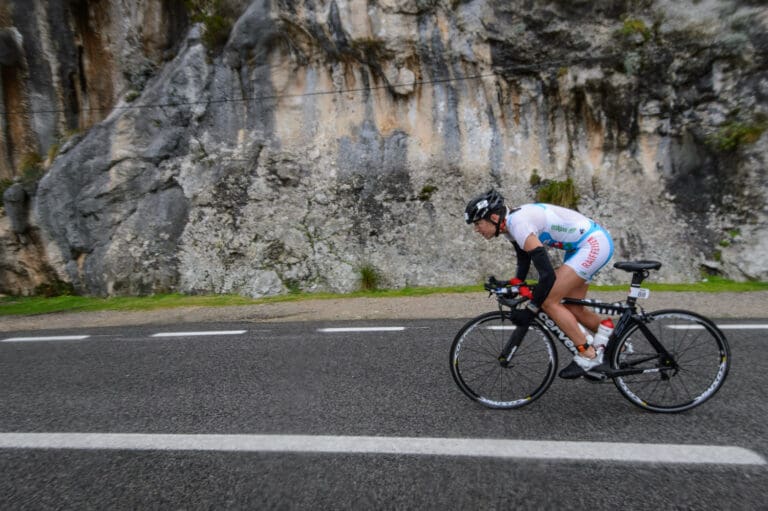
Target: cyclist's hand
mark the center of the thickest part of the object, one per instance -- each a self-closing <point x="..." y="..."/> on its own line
<point x="521" y="287"/>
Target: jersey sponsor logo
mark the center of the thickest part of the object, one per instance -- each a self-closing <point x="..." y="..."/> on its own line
<point x="594" y="251"/>
<point x="562" y="228"/>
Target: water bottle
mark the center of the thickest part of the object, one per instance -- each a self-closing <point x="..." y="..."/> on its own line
<point x="602" y="334"/>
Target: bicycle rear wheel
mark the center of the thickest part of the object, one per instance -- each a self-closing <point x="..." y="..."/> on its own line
<point x="479" y="374"/>
<point x="700" y="359"/>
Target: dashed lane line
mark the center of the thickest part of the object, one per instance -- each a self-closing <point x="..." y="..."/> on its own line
<point x="472" y="447"/>
<point x="744" y="326"/>
<point x="747" y="326"/>
<point x="47" y="338"/>
<point x="362" y="329"/>
<point x="199" y="334"/>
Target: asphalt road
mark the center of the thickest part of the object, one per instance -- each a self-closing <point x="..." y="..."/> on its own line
<point x="278" y="379"/>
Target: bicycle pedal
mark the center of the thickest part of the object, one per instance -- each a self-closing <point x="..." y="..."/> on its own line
<point x="595" y="377"/>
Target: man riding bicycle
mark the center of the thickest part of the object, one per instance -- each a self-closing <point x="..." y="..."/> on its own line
<point x="588" y="247"/>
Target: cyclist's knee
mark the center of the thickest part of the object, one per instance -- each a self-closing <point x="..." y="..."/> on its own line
<point x="552" y="303"/>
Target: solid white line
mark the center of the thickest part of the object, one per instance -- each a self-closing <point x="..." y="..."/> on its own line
<point x="475" y="447"/>
<point x="47" y="338"/>
<point x="747" y="326"/>
<point x="500" y="327"/>
<point x="363" y="329"/>
<point x="191" y="334"/>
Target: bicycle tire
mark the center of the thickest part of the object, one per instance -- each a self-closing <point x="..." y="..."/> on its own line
<point x="476" y="369"/>
<point x="700" y="351"/>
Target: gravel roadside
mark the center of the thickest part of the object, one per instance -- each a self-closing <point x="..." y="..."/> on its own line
<point x="463" y="305"/>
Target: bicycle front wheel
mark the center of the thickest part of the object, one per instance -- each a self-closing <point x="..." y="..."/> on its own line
<point x="479" y="374"/>
<point x="696" y="369"/>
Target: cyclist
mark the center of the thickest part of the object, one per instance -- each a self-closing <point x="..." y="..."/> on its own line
<point x="530" y="228"/>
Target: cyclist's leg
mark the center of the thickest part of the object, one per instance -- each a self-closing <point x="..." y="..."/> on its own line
<point x="567" y="283"/>
<point x="573" y="281"/>
<point x="583" y="315"/>
<point x="593" y="253"/>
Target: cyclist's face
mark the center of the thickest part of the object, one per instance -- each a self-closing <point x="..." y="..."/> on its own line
<point x="486" y="229"/>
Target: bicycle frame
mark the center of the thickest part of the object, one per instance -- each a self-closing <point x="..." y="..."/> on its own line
<point x="508" y="358"/>
<point x="629" y="316"/>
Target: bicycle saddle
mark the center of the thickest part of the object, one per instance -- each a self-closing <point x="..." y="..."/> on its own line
<point x="637" y="265"/>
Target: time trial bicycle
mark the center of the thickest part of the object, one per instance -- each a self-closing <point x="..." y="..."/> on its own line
<point x="663" y="361"/>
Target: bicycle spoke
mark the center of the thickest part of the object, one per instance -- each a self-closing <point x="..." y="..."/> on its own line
<point x="482" y="377"/>
<point x="697" y="356"/>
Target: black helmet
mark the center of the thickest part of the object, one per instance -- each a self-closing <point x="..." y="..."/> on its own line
<point x="483" y="205"/>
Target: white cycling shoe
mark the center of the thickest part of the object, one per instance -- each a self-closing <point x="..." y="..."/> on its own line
<point x="588" y="363"/>
<point x="580" y="366"/>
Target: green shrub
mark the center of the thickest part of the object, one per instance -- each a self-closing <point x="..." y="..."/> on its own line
<point x="634" y="26"/>
<point x="31" y="168"/>
<point x="132" y="95"/>
<point x="293" y="285"/>
<point x="370" y="278"/>
<point x="733" y="135"/>
<point x="217" y="20"/>
<point x="535" y="179"/>
<point x="561" y="193"/>
<point x="217" y="30"/>
<point x="426" y="192"/>
<point x="54" y="288"/>
<point x="4" y="184"/>
<point x="53" y="151"/>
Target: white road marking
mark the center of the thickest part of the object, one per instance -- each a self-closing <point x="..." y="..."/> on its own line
<point x="47" y="338"/>
<point x="747" y="326"/>
<point x="363" y="329"/>
<point x="475" y="447"/>
<point x="197" y="334"/>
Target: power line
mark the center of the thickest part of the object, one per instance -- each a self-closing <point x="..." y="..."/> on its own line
<point x="273" y="97"/>
<point x="258" y="98"/>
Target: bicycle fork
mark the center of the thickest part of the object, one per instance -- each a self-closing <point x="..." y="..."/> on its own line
<point x="508" y="352"/>
<point x="509" y="349"/>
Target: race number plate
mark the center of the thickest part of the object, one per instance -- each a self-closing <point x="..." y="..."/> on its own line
<point x="639" y="292"/>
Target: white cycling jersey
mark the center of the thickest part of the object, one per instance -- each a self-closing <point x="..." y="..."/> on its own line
<point x="588" y="246"/>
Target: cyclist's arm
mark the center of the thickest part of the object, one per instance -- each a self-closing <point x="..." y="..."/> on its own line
<point x="523" y="262"/>
<point x="538" y="255"/>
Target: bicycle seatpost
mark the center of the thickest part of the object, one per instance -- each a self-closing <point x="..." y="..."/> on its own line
<point x="634" y="292"/>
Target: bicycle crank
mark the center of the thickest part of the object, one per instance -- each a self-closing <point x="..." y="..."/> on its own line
<point x="595" y="377"/>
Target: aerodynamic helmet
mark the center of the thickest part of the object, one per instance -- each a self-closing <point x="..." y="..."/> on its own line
<point x="483" y="205"/>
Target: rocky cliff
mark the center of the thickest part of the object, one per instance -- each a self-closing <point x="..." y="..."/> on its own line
<point x="269" y="146"/>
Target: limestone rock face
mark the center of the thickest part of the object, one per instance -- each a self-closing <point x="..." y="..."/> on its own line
<point x="327" y="139"/>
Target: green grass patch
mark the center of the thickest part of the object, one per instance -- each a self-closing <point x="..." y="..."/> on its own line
<point x="711" y="285"/>
<point x="25" y="306"/>
<point x="40" y="305"/>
